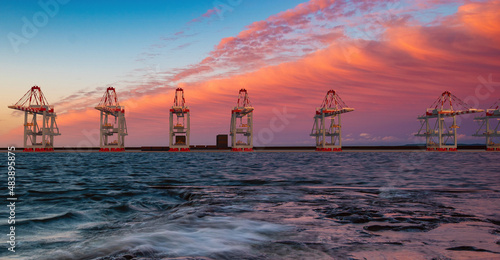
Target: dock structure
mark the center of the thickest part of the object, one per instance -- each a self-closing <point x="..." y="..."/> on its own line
<point x="490" y="127"/>
<point x="38" y="136"/>
<point x="327" y="128"/>
<point x="180" y="124"/>
<point x="439" y="123"/>
<point x="111" y="109"/>
<point x="241" y="129"/>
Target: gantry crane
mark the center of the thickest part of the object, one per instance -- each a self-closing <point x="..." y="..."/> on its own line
<point x="34" y="103"/>
<point x="110" y="107"/>
<point x="442" y="136"/>
<point x="327" y="122"/>
<point x="180" y="131"/>
<point x="242" y="124"/>
<point x="488" y="128"/>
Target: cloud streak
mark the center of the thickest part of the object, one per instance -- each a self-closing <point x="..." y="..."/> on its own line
<point x="207" y="16"/>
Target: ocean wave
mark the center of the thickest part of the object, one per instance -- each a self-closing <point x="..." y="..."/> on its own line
<point x="191" y="236"/>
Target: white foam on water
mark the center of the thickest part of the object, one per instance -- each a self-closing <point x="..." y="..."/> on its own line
<point x="183" y="237"/>
<point x="392" y="193"/>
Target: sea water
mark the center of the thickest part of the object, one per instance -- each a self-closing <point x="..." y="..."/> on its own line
<point x="257" y="205"/>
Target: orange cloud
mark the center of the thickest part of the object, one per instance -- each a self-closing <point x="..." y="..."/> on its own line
<point x="389" y="81"/>
<point x="481" y="18"/>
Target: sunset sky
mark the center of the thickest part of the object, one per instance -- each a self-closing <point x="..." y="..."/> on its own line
<point x="389" y="60"/>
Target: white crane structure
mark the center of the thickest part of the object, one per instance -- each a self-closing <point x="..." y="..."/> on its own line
<point x="490" y="127"/>
<point x="439" y="123"/>
<point x="110" y="108"/>
<point x="241" y="129"/>
<point x="327" y="125"/>
<point x="180" y="126"/>
<point x="38" y="136"/>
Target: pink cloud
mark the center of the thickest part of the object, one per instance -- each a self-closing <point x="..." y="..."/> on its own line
<point x="389" y="81"/>
<point x="207" y="15"/>
<point x="193" y="70"/>
<point x="279" y="38"/>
